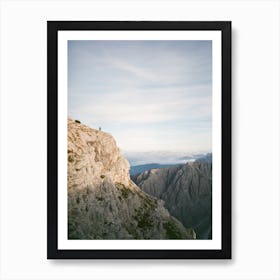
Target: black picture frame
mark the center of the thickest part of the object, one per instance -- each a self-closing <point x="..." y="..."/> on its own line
<point x="53" y="27"/>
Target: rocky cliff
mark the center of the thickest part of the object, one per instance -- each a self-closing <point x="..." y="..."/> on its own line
<point x="187" y="192"/>
<point x="103" y="203"/>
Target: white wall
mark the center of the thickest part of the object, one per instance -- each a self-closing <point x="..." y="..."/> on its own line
<point x="255" y="139"/>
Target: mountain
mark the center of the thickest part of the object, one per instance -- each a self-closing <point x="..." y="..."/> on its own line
<point x="161" y="157"/>
<point x="187" y="193"/>
<point x="205" y="158"/>
<point x="103" y="202"/>
<point x="144" y="167"/>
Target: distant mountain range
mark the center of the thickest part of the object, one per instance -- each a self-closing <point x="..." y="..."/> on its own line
<point x="136" y="169"/>
<point x="161" y="157"/>
<point x="144" y="167"/>
<point x="206" y="158"/>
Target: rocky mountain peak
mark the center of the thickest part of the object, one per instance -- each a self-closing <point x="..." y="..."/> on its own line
<point x="93" y="156"/>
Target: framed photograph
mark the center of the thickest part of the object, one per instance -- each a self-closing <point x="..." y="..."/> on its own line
<point x="139" y="140"/>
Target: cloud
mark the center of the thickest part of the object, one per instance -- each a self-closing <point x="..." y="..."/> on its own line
<point x="141" y="72"/>
<point x="163" y="89"/>
<point x="138" y="106"/>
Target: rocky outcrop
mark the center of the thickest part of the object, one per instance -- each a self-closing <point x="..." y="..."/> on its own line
<point x="187" y="192"/>
<point x="103" y="203"/>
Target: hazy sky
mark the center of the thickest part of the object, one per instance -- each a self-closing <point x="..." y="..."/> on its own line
<point x="150" y="95"/>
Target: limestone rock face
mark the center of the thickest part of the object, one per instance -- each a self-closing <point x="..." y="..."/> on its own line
<point x="187" y="192"/>
<point x="103" y="203"/>
<point x="93" y="154"/>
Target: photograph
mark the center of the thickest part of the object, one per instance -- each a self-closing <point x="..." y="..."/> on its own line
<point x="139" y="135"/>
<point x="140" y="139"/>
<point x="128" y="133"/>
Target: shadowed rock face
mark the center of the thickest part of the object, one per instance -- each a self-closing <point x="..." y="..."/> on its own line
<point x="103" y="203"/>
<point x="187" y="192"/>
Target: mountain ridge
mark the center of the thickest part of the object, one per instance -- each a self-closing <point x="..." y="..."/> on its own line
<point x="187" y="192"/>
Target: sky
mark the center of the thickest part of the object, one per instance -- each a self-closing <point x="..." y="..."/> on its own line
<point x="149" y="95"/>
